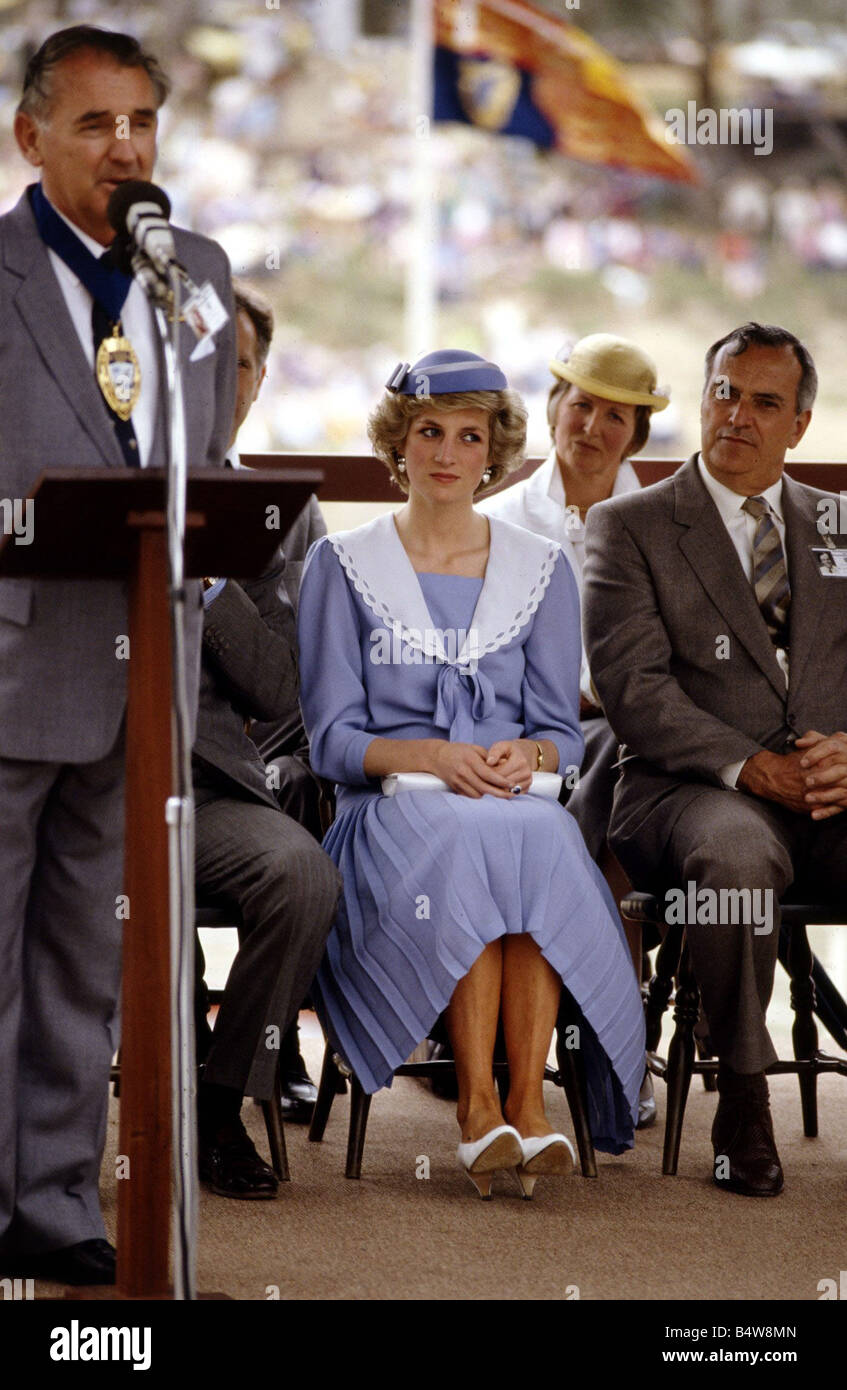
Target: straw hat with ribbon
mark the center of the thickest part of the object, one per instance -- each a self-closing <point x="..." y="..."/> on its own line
<point x="613" y="368"/>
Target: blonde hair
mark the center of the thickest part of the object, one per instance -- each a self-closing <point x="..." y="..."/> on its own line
<point x="389" y="424"/>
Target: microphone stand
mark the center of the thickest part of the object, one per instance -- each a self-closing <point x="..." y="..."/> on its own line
<point x="164" y="292"/>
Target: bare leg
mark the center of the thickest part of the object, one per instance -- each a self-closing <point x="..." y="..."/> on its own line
<point x="472" y="1025"/>
<point x="530" y="1003"/>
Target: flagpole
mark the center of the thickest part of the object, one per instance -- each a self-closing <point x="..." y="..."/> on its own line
<point x="421" y="267"/>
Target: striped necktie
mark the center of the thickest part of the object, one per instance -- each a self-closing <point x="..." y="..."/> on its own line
<point x="770" y="575"/>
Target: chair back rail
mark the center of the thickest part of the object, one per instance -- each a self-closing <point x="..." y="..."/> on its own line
<point x="360" y="478"/>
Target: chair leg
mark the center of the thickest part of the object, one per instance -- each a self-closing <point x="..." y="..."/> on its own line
<point x="804" y="1033"/>
<point x="360" y="1104"/>
<point x="272" y="1112"/>
<point x="680" y="1062"/>
<point x="661" y="986"/>
<point x="326" y="1095"/>
<point x="703" y="1043"/>
<point x="572" y="1073"/>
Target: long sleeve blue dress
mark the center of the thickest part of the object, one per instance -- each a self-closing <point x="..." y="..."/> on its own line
<point x="431" y="877"/>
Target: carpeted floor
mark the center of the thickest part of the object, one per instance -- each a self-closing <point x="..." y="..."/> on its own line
<point x="631" y="1234"/>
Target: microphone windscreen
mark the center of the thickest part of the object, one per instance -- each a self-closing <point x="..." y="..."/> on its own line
<point x="131" y="192"/>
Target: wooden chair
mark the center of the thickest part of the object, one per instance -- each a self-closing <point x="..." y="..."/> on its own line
<point x="569" y="1074"/>
<point x="795" y="955"/>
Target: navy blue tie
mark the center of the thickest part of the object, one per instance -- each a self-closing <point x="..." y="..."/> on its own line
<point x="101" y="326"/>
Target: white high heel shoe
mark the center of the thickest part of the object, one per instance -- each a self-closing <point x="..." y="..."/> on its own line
<point x="499" y="1148"/>
<point x="552" y="1153"/>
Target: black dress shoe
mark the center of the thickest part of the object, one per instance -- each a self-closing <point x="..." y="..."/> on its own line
<point x="746" y="1160"/>
<point x="297" y="1096"/>
<point x="229" y="1163"/>
<point x="88" y="1262"/>
<point x="646" y="1103"/>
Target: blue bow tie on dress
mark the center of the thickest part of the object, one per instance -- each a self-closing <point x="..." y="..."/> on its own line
<point x="464" y="698"/>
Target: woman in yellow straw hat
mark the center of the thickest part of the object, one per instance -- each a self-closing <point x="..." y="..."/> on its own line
<point x="599" y="412"/>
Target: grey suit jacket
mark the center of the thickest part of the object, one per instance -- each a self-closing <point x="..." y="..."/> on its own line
<point x="249" y="671"/>
<point x="286" y="732"/>
<point x="62" y="689"/>
<point x="308" y="526"/>
<point x="662" y="584"/>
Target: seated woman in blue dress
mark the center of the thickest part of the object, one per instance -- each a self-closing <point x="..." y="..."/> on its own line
<point x="436" y="641"/>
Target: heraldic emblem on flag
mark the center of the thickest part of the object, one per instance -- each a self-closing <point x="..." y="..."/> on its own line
<point x="488" y="91"/>
<point x="510" y="67"/>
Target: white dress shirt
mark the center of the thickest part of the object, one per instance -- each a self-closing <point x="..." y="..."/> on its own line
<point x="741" y="527"/>
<point x="137" y="325"/>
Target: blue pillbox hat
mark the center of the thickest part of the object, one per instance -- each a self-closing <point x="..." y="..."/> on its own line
<point x="442" y="373"/>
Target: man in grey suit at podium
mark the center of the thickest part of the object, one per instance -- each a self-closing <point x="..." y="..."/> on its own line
<point x="86" y="122"/>
<point x="718" y="643"/>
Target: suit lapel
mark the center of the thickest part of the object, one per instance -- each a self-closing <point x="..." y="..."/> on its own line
<point x="707" y="547"/>
<point x="45" y="317"/>
<point x="810" y="595"/>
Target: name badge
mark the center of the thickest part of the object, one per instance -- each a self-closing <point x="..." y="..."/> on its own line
<point x="203" y="312"/>
<point x="831" y="560"/>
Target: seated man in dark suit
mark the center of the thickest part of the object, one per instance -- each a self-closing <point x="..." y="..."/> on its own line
<point x="282" y="742"/>
<point x="249" y="853"/>
<point x="718" y="645"/>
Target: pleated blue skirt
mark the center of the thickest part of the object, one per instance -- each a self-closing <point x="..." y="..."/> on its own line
<point x="430" y="878"/>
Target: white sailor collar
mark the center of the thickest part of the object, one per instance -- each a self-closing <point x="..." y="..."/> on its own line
<point x="516" y="577"/>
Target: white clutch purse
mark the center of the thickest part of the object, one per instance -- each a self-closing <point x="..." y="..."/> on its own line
<point x="543" y="783"/>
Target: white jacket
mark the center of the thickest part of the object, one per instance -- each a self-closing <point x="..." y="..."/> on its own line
<point x="539" y="504"/>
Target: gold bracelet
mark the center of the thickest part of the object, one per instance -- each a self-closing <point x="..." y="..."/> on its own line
<point x="539" y="765"/>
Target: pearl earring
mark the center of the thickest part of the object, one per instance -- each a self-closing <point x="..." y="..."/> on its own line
<point x="400" y="460"/>
<point x="486" y="477"/>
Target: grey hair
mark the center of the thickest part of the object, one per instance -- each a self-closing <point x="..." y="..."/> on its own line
<point x="123" y="48"/>
<point x="769" y="335"/>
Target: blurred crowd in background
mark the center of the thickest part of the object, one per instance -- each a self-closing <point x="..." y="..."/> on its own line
<point x="288" y="139"/>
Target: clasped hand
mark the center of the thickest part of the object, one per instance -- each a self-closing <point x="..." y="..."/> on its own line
<point x="475" y="771"/>
<point x="812" y="779"/>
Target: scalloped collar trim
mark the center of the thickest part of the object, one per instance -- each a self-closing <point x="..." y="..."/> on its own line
<point x="516" y="577"/>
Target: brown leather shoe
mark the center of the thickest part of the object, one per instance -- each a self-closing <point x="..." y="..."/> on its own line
<point x="746" y="1160"/>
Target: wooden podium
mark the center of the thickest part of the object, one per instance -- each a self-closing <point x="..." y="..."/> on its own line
<point x="110" y="524"/>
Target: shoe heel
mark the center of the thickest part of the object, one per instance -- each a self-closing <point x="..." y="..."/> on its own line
<point x="527" y="1182"/>
<point x="482" y="1183"/>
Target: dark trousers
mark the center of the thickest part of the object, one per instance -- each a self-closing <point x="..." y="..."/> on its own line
<point x="726" y="840"/>
<point x="285" y="888"/>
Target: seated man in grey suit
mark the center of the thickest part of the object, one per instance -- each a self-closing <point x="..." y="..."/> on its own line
<point x="86" y="122"/>
<point x="248" y="852"/>
<point x="718" y="644"/>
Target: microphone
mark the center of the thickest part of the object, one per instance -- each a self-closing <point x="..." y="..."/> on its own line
<point x="139" y="213"/>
